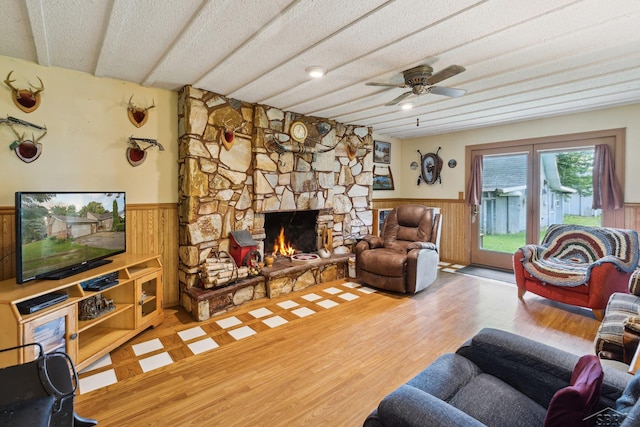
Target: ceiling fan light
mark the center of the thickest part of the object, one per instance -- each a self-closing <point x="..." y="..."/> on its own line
<point x="406" y="106"/>
<point x="316" y="72"/>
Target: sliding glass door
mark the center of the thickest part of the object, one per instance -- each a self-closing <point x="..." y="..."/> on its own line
<point x="525" y="189"/>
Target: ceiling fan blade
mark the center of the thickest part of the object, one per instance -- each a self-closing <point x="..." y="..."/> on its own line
<point x="441" y="75"/>
<point x="386" y="84"/>
<point x="398" y="99"/>
<point x="447" y="91"/>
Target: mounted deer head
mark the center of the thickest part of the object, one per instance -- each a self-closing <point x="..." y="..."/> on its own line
<point x="27" y="150"/>
<point x="138" y="115"/>
<point x="27" y="100"/>
<point x="228" y="134"/>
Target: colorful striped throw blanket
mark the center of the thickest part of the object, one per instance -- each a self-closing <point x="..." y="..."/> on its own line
<point x="569" y="252"/>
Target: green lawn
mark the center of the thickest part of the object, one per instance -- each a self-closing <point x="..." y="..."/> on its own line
<point x="511" y="242"/>
<point x="60" y="253"/>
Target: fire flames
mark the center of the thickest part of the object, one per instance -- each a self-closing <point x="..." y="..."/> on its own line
<point x="281" y="246"/>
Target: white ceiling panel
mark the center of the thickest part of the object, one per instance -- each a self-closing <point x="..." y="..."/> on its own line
<point x="524" y="59"/>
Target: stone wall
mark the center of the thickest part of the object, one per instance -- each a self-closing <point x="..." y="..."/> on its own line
<point x="228" y="183"/>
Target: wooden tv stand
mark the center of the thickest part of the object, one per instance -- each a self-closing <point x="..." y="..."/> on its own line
<point x="137" y="299"/>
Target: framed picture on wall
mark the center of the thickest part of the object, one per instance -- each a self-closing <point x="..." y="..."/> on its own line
<point x="381" y="152"/>
<point x="382" y="178"/>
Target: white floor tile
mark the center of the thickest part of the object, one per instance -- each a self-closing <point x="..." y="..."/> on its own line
<point x="327" y="303"/>
<point x="351" y="285"/>
<point x="457" y="266"/>
<point x="201" y="346"/>
<point x="228" y="322"/>
<point x="450" y="270"/>
<point x="96" y="381"/>
<point x="274" y="321"/>
<point x="288" y="304"/>
<point x="100" y="363"/>
<point x="242" y="332"/>
<point x="147" y="347"/>
<point x="261" y="312"/>
<point x="332" y="290"/>
<point x="311" y="297"/>
<point x="303" y="312"/>
<point x="366" y="290"/>
<point x="443" y="264"/>
<point x="191" y="333"/>
<point x="155" y="362"/>
<point x="348" y="296"/>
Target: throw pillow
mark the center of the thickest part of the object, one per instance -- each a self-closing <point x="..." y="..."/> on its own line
<point x="572" y="404"/>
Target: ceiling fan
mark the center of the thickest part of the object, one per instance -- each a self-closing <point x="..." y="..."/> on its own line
<point x="421" y="80"/>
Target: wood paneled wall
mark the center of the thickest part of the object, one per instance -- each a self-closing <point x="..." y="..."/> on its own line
<point x="151" y="229"/>
<point x="632" y="216"/>
<point x="456" y="237"/>
<point x="454" y="246"/>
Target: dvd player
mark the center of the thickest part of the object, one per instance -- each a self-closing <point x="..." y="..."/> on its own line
<point x="101" y="283"/>
<point x="40" y="302"/>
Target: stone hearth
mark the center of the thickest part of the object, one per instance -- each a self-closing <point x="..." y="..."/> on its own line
<point x="284" y="277"/>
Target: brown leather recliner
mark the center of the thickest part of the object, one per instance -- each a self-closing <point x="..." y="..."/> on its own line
<point x="404" y="258"/>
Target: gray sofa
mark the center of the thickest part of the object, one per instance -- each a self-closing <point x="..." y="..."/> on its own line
<point x="496" y="379"/>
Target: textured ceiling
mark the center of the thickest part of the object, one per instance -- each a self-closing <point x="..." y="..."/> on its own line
<point x="524" y="59"/>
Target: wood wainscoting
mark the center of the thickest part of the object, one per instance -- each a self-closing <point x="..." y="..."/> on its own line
<point x="151" y="229"/>
<point x="454" y="240"/>
<point x="632" y="216"/>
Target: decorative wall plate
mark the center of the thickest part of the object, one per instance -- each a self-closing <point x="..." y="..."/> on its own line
<point x="452" y="163"/>
<point x="135" y="156"/>
<point x="28" y="151"/>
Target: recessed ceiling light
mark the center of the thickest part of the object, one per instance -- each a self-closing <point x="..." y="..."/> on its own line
<point x="316" y="72"/>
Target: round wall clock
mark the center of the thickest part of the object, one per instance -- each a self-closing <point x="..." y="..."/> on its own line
<point x="298" y="131"/>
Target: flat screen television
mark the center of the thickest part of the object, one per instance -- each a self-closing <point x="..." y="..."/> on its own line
<point x="59" y="234"/>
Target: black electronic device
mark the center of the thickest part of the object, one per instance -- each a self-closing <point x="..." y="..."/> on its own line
<point x="100" y="283"/>
<point x="40" y="302"/>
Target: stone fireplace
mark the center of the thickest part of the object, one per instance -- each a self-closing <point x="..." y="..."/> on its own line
<point x="239" y="164"/>
<point x="299" y="230"/>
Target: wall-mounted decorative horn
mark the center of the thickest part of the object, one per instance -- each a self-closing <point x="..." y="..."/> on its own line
<point x="136" y="155"/>
<point x="27" y="150"/>
<point x="27" y="100"/>
<point x="138" y="115"/>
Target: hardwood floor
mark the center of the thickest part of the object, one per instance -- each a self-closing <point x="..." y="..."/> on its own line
<point x="331" y="368"/>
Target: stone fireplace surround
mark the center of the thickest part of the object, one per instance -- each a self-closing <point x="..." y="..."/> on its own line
<point x="223" y="190"/>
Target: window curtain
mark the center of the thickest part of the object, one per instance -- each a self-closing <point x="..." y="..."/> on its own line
<point x="474" y="186"/>
<point x="606" y="190"/>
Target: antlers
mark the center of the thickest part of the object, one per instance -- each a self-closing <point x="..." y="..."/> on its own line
<point x="138" y="115"/>
<point x="25" y="99"/>
<point x="21" y="137"/>
<point x="134" y="108"/>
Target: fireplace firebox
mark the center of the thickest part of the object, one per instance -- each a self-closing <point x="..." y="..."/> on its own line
<point x="298" y="227"/>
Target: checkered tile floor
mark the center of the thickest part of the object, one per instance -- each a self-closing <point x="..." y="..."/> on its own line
<point x="139" y="357"/>
<point x="448" y="267"/>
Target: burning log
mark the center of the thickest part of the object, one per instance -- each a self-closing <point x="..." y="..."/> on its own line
<point x="282" y="247"/>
